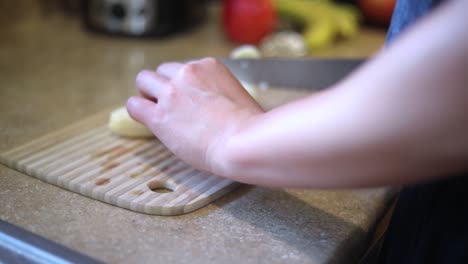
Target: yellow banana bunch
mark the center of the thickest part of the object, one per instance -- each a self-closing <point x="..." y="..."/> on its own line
<point x="324" y="21"/>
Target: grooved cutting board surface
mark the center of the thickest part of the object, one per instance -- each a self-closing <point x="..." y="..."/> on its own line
<point x="137" y="174"/>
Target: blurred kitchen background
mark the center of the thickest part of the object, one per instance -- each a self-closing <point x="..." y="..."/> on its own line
<point x="89" y="51"/>
<point x="181" y="29"/>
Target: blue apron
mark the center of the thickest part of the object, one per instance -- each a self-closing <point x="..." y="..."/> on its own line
<point x="430" y="220"/>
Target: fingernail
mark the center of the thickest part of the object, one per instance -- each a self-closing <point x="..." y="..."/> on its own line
<point x="142" y="77"/>
<point x="131" y="102"/>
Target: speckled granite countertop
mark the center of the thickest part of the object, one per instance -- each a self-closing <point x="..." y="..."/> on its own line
<point x="52" y="73"/>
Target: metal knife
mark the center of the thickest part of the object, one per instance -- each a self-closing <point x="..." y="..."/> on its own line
<point x="294" y="73"/>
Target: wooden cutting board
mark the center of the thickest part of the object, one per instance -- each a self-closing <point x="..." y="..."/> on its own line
<point x="137" y="174"/>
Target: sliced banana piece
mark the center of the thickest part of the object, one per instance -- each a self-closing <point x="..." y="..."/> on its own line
<point x="122" y="124"/>
<point x="245" y="52"/>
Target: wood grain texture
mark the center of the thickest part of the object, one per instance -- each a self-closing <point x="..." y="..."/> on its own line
<point x="136" y="174"/>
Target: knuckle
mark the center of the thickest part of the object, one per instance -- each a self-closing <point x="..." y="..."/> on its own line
<point x="171" y="91"/>
<point x="210" y="61"/>
<point x="188" y="70"/>
<point x="155" y="119"/>
<point x="161" y="67"/>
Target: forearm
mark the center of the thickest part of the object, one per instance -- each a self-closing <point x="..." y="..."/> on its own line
<point x="401" y="118"/>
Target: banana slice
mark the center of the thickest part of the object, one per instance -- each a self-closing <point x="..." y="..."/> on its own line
<point x="122" y="124"/>
<point x="245" y="52"/>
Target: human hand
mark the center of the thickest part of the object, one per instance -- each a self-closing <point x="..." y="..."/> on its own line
<point x="193" y="108"/>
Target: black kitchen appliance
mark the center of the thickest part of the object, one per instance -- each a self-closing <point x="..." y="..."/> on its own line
<point x="140" y="18"/>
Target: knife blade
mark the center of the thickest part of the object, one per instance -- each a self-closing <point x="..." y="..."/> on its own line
<point x="294" y="73"/>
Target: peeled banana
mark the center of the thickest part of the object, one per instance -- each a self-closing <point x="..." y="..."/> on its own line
<point x="122" y="124"/>
<point x="323" y="21"/>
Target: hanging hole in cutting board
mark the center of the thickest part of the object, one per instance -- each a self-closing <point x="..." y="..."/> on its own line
<point x="161" y="187"/>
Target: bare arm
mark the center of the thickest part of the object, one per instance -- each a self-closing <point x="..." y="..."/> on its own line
<point x="403" y="117"/>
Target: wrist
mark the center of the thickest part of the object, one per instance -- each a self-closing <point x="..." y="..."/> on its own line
<point x="226" y="156"/>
